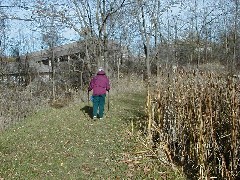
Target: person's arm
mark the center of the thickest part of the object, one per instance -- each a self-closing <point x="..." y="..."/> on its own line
<point x="90" y="87"/>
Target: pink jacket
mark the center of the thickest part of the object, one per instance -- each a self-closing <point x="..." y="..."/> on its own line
<point x="99" y="84"/>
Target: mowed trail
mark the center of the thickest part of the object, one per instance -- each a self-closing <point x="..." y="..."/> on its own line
<point x="66" y="144"/>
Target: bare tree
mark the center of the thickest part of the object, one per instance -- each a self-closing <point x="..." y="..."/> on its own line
<point x="91" y="22"/>
<point x="47" y="19"/>
<point x="2" y="42"/>
<point x="236" y="32"/>
<point x="149" y="16"/>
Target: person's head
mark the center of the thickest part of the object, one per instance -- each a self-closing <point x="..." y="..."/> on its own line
<point x="100" y="71"/>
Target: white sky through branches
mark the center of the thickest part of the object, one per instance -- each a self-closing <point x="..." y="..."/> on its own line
<point x="25" y="33"/>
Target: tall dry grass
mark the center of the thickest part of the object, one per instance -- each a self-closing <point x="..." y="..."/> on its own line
<point x="127" y="83"/>
<point x="194" y="117"/>
<point x="18" y="102"/>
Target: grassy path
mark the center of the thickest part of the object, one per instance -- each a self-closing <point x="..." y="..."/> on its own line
<point x="66" y="144"/>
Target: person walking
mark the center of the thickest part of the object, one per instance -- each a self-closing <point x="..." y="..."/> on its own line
<point x="99" y="84"/>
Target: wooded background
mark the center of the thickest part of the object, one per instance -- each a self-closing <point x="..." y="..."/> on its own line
<point x="155" y="33"/>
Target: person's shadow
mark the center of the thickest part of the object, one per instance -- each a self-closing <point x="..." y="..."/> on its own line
<point x="87" y="111"/>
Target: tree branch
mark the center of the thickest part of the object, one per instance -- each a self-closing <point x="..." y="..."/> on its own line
<point x="109" y="14"/>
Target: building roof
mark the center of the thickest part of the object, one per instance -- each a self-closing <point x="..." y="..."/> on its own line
<point x="71" y="48"/>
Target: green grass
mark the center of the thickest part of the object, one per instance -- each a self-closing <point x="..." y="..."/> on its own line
<point x="66" y="144"/>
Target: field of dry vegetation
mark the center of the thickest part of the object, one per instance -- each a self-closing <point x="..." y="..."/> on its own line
<point x="194" y="117"/>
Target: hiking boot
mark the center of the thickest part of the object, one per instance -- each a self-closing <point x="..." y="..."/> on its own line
<point x="101" y="118"/>
<point x="94" y="117"/>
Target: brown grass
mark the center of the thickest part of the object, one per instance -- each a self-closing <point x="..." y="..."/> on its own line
<point x="196" y="116"/>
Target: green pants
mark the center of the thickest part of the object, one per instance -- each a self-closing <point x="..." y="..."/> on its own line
<point x="98" y="105"/>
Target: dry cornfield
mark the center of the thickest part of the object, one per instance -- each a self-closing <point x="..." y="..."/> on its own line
<point x="196" y="116"/>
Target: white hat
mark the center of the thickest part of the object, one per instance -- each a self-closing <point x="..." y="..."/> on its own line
<point x="100" y="69"/>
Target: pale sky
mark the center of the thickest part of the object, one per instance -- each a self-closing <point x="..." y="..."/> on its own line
<point x="24" y="33"/>
<point x="28" y="37"/>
